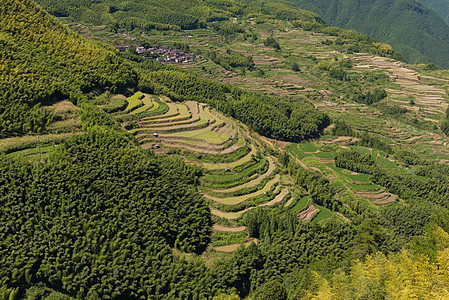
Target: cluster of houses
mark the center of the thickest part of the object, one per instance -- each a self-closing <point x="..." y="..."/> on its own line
<point x="168" y="55"/>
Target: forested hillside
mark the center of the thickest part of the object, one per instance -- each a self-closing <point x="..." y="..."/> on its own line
<point x="441" y="7"/>
<point x="42" y="62"/>
<point x="413" y="30"/>
<point x="96" y="216"/>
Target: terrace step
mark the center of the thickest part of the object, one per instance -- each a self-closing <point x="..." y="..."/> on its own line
<point x="231" y="165"/>
<point x="252" y="183"/>
<point x="229" y="215"/>
<point x="193" y="125"/>
<point x="228" y="181"/>
<point x="197" y="145"/>
<point x="242" y="198"/>
<point x="172" y="111"/>
<point x="276" y="199"/>
<point x="231" y="248"/>
<point x="148" y="104"/>
<point x="174" y="122"/>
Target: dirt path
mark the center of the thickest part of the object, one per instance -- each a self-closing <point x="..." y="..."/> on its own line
<point x="372" y="195"/>
<point x="217" y="227"/>
<point x="289" y="202"/>
<point x="229" y="215"/>
<point x="343" y="217"/>
<point x="276" y="199"/>
<point x="233" y="247"/>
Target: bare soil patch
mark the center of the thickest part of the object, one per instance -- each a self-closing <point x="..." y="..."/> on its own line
<point x="217" y="227"/>
<point x="233" y="247"/>
<point x="307" y="214"/>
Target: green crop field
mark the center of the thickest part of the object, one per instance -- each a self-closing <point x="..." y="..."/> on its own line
<point x="148" y="104"/>
<point x="301" y="204"/>
<point x="134" y="101"/>
<point x="322" y="215"/>
<point x="308" y="147"/>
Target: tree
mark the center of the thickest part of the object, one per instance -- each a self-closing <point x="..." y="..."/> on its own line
<point x="272" y="290"/>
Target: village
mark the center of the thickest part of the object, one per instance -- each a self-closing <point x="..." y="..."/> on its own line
<point x="166" y="54"/>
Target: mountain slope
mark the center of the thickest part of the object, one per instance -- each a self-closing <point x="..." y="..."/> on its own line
<point x="441" y="7"/>
<point x="42" y="62"/>
<point x="415" y="31"/>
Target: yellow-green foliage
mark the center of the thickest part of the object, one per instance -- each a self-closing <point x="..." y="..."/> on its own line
<point x="403" y="275"/>
<point x="226" y="297"/>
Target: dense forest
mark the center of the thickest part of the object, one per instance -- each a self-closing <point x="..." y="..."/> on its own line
<point x="415" y="31"/>
<point x="441" y="7"/>
<point x="97" y="206"/>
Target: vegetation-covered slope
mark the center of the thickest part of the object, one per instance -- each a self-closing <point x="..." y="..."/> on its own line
<point x="99" y="205"/>
<point x="415" y="31"/>
<point x="166" y="14"/>
<point x="441" y="7"/>
<point x="42" y="62"/>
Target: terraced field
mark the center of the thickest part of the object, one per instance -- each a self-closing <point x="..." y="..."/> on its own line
<point x="351" y="185"/>
<point x="422" y="98"/>
<point x="238" y="176"/>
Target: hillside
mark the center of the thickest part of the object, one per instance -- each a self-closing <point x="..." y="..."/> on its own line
<point x="168" y="15"/>
<point x="413" y="30"/>
<point x="42" y="62"/>
<point x="51" y="63"/>
<point x="288" y="160"/>
<point x="441" y="7"/>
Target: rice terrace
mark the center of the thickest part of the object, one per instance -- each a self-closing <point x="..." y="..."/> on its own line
<point x="239" y="171"/>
